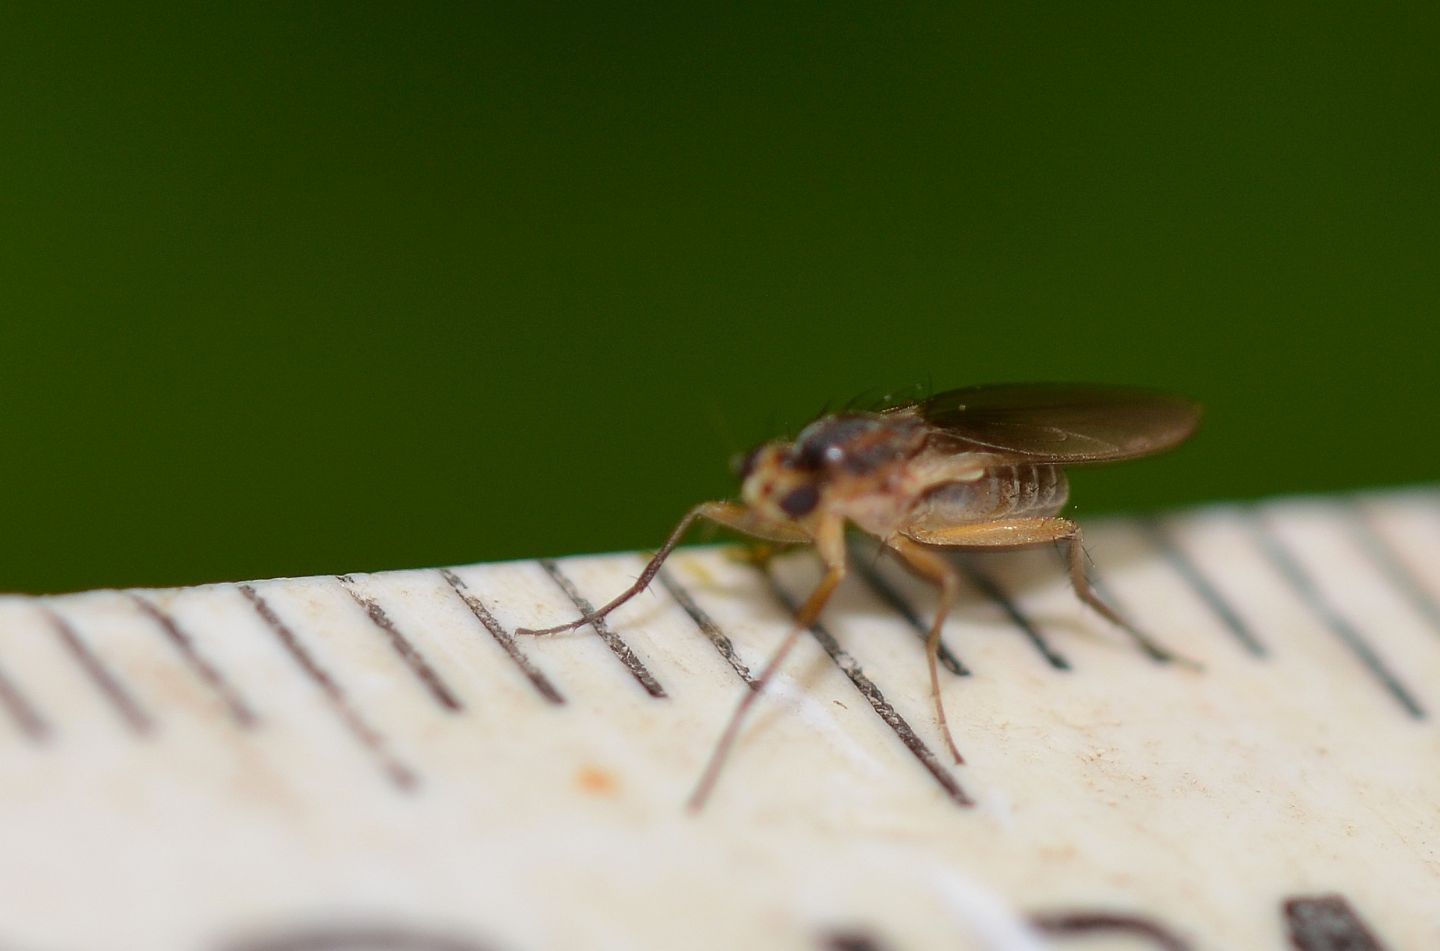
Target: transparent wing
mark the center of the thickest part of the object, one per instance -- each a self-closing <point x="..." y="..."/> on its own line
<point x="1058" y="423"/>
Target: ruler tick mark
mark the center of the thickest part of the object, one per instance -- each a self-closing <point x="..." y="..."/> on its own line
<point x="706" y="624"/>
<point x="1289" y="568"/>
<point x="882" y="707"/>
<point x="408" y="652"/>
<point x="243" y="713"/>
<point x="991" y="589"/>
<point x="1391" y="565"/>
<point x="120" y="698"/>
<point x="1186" y="568"/>
<point x="1083" y="923"/>
<point x="617" y="645"/>
<point x="1327" y="923"/>
<point x="376" y="937"/>
<point x="850" y="941"/>
<point x="865" y="568"/>
<point x="1098" y="585"/>
<point x="504" y="638"/>
<point x="22" y="711"/>
<point x="368" y="736"/>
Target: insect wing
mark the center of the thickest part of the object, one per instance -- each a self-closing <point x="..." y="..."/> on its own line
<point x="1059" y="423"/>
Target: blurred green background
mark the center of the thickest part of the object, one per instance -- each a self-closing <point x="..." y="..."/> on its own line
<point x="289" y="289"/>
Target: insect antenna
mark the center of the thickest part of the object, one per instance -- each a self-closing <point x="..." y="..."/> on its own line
<point x="720" y="423"/>
<point x="864" y="399"/>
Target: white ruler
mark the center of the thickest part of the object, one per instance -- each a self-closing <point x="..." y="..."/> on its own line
<point x="374" y="762"/>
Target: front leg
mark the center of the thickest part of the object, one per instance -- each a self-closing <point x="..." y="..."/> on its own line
<point x="1011" y="533"/>
<point x="731" y="515"/>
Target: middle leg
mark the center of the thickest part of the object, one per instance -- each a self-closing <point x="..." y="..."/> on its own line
<point x="830" y="544"/>
<point x="931" y="566"/>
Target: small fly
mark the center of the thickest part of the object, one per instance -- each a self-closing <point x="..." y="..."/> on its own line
<point x="978" y="468"/>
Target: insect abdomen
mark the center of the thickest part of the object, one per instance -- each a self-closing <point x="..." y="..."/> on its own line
<point x="1023" y="491"/>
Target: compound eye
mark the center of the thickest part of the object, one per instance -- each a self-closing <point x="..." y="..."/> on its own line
<point x="799" y="502"/>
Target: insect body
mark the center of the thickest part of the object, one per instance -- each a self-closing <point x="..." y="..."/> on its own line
<point x="969" y="469"/>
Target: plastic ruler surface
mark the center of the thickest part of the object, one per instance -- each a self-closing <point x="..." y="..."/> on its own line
<point x="375" y="761"/>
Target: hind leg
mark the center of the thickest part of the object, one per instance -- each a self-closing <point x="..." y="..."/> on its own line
<point x="1010" y="533"/>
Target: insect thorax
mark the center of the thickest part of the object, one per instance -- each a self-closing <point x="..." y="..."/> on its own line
<point x="856" y="445"/>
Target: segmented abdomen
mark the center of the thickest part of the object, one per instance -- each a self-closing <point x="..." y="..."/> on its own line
<point x="1024" y="491"/>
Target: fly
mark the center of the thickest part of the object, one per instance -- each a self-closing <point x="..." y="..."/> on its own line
<point x="978" y="468"/>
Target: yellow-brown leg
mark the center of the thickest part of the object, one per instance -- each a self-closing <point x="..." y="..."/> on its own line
<point x="936" y="569"/>
<point x="830" y="542"/>
<point x="1026" y="532"/>
<point x="731" y="515"/>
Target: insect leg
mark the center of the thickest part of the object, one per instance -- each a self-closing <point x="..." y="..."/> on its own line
<point x="729" y="514"/>
<point x="1086" y="592"/>
<point x="1009" y="533"/>
<point x="933" y="568"/>
<point x="830" y="541"/>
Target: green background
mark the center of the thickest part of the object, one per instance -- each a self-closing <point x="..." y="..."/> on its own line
<point x="290" y="289"/>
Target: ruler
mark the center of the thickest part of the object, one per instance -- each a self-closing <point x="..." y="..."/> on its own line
<point x="376" y="761"/>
